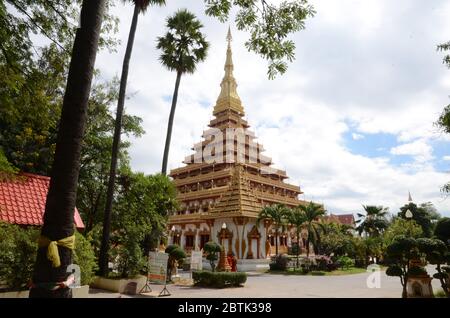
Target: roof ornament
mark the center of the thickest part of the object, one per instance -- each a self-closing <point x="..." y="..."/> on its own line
<point x="228" y="98"/>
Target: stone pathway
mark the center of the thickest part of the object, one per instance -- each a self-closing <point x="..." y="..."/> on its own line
<point x="288" y="286"/>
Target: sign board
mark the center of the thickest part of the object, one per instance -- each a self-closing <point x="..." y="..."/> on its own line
<point x="157" y="271"/>
<point x="196" y="260"/>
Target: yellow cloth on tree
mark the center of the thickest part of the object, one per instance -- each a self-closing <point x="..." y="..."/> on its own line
<point x="52" y="250"/>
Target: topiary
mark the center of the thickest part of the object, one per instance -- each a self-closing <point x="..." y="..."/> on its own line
<point x="211" y="249"/>
<point x="442" y="230"/>
<point x="176" y="254"/>
<point x="394" y="270"/>
<point x="417" y="271"/>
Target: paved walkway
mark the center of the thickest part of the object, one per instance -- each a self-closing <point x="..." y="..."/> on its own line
<point x="288" y="286"/>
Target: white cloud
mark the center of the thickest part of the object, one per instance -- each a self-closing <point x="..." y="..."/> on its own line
<point x="355" y="66"/>
<point x="419" y="149"/>
<point x="446" y="158"/>
<point x="356" y="136"/>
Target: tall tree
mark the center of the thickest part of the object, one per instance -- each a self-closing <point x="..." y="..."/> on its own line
<point x="140" y="6"/>
<point x="182" y="48"/>
<point x="313" y="213"/>
<point x="297" y="218"/>
<point x="373" y="222"/>
<point x="276" y="214"/>
<point x="33" y="75"/>
<point x="61" y="197"/>
<point x="96" y="151"/>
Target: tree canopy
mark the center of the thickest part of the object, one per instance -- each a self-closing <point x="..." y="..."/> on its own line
<point x="269" y="25"/>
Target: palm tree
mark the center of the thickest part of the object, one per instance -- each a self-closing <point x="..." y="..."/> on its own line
<point x="139" y="6"/>
<point x="313" y="212"/>
<point x="297" y="218"/>
<point x="182" y="48"/>
<point x="373" y="222"/>
<point x="277" y="214"/>
<point x="62" y="193"/>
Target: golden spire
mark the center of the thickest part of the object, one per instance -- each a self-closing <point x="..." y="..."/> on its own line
<point x="228" y="98"/>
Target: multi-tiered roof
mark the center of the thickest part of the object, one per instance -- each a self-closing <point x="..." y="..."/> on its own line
<point x="227" y="176"/>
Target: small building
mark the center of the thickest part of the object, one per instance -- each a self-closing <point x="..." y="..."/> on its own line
<point x="22" y="200"/>
<point x="344" y="219"/>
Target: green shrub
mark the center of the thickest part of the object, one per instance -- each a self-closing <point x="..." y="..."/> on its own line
<point x="279" y="263"/>
<point x="440" y="294"/>
<point x="442" y="230"/>
<point x="345" y="262"/>
<point x="84" y="256"/>
<point x="318" y="273"/>
<point x="417" y="271"/>
<point x="18" y="249"/>
<point x="176" y="255"/>
<point x="211" y="249"/>
<point x="218" y="279"/>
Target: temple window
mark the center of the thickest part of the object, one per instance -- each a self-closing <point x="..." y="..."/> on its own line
<point x="189" y="241"/>
<point x="176" y="239"/>
<point x="204" y="238"/>
<point x="272" y="240"/>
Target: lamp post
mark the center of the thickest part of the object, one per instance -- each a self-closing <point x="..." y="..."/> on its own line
<point x="408" y="214"/>
<point x="172" y="233"/>
<point x="223" y="262"/>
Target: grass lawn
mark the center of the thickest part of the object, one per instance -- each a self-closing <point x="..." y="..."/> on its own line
<point x="339" y="272"/>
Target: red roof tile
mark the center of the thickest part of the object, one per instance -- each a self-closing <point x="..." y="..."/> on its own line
<point x="347" y="219"/>
<point x="22" y="201"/>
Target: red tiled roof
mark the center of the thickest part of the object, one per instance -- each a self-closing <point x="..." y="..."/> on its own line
<point x="22" y="200"/>
<point x="347" y="219"/>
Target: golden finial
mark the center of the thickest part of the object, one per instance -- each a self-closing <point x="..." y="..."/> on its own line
<point x="229" y="37"/>
<point x="228" y="98"/>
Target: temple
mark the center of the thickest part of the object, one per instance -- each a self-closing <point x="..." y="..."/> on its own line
<point x="227" y="181"/>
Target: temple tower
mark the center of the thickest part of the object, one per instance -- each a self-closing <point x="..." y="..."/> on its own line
<point x="227" y="181"/>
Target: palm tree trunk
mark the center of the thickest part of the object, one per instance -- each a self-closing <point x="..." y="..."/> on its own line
<point x="276" y="242"/>
<point x="103" y="259"/>
<point x="307" y="247"/>
<point x="170" y="124"/>
<point x="298" y="247"/>
<point x="61" y="197"/>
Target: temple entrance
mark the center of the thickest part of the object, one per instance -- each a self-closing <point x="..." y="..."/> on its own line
<point x="252" y="236"/>
<point x="176" y="239"/>
<point x="226" y="235"/>
<point x="204" y="238"/>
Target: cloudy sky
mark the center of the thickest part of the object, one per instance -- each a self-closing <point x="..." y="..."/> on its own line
<point x="351" y="121"/>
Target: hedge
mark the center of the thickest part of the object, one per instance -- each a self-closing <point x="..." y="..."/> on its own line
<point x="18" y="249"/>
<point x="218" y="279"/>
<point x="317" y="273"/>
